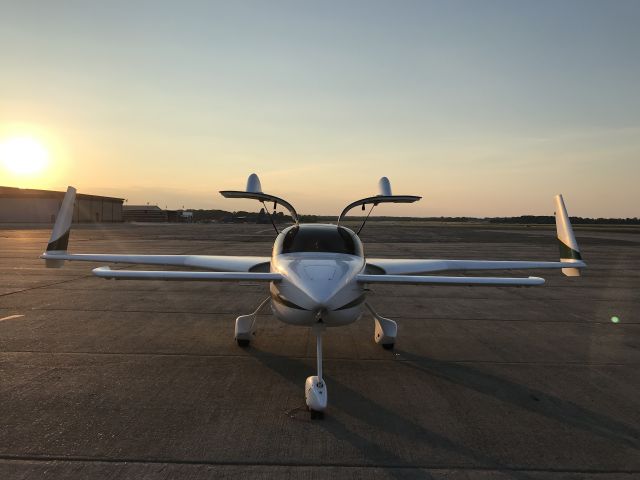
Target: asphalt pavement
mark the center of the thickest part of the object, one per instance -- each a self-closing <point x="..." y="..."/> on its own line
<point x="142" y="379"/>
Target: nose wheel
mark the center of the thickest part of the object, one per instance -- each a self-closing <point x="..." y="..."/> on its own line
<point x="315" y="415"/>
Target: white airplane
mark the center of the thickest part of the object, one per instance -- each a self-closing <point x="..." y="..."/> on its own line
<point x="317" y="274"/>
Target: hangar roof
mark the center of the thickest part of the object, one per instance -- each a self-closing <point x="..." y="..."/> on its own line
<point x="131" y="208"/>
<point x="11" y="192"/>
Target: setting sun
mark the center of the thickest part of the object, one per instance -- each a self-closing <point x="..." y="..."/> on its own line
<point x="23" y="155"/>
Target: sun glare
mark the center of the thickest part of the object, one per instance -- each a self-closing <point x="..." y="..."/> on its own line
<point x="23" y="155"/>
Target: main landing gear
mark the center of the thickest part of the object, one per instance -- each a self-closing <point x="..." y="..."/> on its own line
<point x="246" y="325"/>
<point x="315" y="390"/>
<point x="386" y="329"/>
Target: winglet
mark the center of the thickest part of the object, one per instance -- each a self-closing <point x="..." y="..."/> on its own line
<point x="569" y="250"/>
<point x="254" y="191"/>
<point x="385" y="196"/>
<point x="59" y="240"/>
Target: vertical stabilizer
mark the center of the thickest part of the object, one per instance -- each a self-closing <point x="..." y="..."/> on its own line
<point x="253" y="184"/>
<point x="60" y="234"/>
<point x="569" y="250"/>
<point x="384" y="186"/>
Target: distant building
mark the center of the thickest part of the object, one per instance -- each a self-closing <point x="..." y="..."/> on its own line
<point x="172" y="216"/>
<point x="179" y="216"/>
<point x="144" y="213"/>
<point x="21" y="205"/>
<point x="233" y="218"/>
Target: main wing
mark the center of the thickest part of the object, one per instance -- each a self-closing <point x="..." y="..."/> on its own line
<point x="386" y="270"/>
<point x="254" y="268"/>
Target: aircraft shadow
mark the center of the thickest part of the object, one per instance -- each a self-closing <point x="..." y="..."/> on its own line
<point x="521" y="396"/>
<point x="357" y="406"/>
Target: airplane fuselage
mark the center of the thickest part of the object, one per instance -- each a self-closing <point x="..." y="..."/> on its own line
<point x="319" y="265"/>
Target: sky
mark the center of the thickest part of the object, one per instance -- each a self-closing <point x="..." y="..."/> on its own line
<point x="484" y="108"/>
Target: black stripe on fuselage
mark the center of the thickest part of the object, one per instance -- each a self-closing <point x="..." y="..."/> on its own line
<point x="280" y="299"/>
<point x="353" y="303"/>
<point x="61" y="243"/>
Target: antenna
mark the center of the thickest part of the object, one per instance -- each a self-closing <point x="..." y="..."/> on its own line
<point x="366" y="218"/>
<point x="266" y="209"/>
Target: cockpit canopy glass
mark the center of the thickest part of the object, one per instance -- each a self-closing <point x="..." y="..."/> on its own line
<point x="325" y="238"/>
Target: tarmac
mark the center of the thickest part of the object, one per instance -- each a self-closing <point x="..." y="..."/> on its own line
<point x="134" y="379"/>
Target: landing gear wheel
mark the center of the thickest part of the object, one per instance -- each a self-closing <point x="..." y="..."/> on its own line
<point x="388" y="346"/>
<point x="242" y="342"/>
<point x="316" y="415"/>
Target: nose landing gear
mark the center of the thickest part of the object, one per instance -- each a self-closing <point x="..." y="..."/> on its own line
<point x="315" y="390"/>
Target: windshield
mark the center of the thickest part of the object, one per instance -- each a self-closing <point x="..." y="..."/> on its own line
<point x="321" y="239"/>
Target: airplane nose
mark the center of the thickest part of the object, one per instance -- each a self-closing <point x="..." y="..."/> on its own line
<point x="313" y="281"/>
<point x="320" y="272"/>
<point x="321" y="286"/>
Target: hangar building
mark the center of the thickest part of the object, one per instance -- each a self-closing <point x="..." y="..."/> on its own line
<point x="18" y="205"/>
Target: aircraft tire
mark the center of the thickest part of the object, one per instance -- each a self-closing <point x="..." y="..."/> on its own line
<point x="316" y="415"/>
